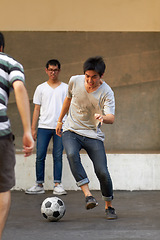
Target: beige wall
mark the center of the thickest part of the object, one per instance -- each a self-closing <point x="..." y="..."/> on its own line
<point x="83" y="15"/>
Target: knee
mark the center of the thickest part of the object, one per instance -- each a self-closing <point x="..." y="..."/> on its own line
<point x="5" y="199"/>
<point x="71" y="155"/>
<point x="73" y="158"/>
<point x="40" y="160"/>
<point x="57" y="157"/>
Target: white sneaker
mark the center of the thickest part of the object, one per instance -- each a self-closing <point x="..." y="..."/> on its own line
<point x="59" y="190"/>
<point x="35" y="190"/>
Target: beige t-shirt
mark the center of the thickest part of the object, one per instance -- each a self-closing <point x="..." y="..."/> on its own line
<point x="84" y="105"/>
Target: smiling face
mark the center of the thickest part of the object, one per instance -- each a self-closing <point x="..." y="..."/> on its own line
<point x="53" y="72"/>
<point x="92" y="79"/>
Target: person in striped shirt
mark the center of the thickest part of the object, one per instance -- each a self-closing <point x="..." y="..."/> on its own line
<point x="11" y="77"/>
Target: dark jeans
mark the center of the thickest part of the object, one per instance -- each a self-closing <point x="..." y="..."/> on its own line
<point x="43" y="138"/>
<point x="73" y="143"/>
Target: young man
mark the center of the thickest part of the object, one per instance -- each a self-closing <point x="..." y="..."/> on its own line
<point x="11" y="77"/>
<point x="48" y="99"/>
<point x="90" y="102"/>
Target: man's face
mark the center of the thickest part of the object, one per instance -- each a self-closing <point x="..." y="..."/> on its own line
<point x="92" y="79"/>
<point x="53" y="72"/>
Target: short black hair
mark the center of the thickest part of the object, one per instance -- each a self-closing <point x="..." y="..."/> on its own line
<point x="96" y="64"/>
<point x="53" y="62"/>
<point x="2" y="43"/>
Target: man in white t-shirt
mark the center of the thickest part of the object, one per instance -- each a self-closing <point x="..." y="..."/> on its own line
<point x="48" y="99"/>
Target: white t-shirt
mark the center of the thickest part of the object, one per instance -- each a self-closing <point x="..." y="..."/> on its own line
<point x="84" y="105"/>
<point x="51" y="101"/>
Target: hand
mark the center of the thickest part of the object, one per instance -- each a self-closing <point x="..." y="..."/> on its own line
<point x="99" y="117"/>
<point x="59" y="129"/>
<point x="28" y="144"/>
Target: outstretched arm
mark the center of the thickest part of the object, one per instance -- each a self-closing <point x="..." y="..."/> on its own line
<point x="24" y="110"/>
<point x="107" y="119"/>
<point x="65" y="108"/>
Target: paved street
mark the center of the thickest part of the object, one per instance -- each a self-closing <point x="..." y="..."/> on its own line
<point x="138" y="218"/>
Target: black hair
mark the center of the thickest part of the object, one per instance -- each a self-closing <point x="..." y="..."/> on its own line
<point x="96" y="64"/>
<point x="2" y="43"/>
<point x="53" y="62"/>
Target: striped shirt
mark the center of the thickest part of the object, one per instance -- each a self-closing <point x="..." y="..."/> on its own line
<point x="10" y="71"/>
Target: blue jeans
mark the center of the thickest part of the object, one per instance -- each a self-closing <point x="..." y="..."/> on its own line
<point x="43" y="138"/>
<point x="73" y="143"/>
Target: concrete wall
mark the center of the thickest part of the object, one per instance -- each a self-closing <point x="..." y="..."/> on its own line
<point x="133" y="71"/>
<point x="128" y="172"/>
<point x="125" y="32"/>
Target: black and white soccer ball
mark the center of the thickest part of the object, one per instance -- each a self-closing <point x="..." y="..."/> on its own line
<point x="53" y="209"/>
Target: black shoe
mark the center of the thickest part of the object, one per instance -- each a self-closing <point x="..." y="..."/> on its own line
<point x="91" y="202"/>
<point x="111" y="213"/>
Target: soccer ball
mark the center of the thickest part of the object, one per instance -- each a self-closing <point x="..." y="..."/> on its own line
<point x="53" y="209"/>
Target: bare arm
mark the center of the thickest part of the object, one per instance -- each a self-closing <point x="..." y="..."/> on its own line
<point x="107" y="119"/>
<point x="35" y="117"/>
<point x="64" y="110"/>
<point x="24" y="111"/>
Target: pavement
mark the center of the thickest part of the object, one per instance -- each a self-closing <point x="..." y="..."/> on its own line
<point x="138" y="218"/>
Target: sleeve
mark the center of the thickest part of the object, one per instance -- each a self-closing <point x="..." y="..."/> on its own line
<point x="70" y="87"/>
<point x="37" y="96"/>
<point x="16" y="72"/>
<point x="109" y="103"/>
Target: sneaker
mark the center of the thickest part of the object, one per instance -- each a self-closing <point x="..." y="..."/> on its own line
<point x="111" y="213"/>
<point x="35" y="190"/>
<point x="59" y="190"/>
<point x="91" y="202"/>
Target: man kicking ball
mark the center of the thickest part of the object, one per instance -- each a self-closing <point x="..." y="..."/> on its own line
<point x="90" y="102"/>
